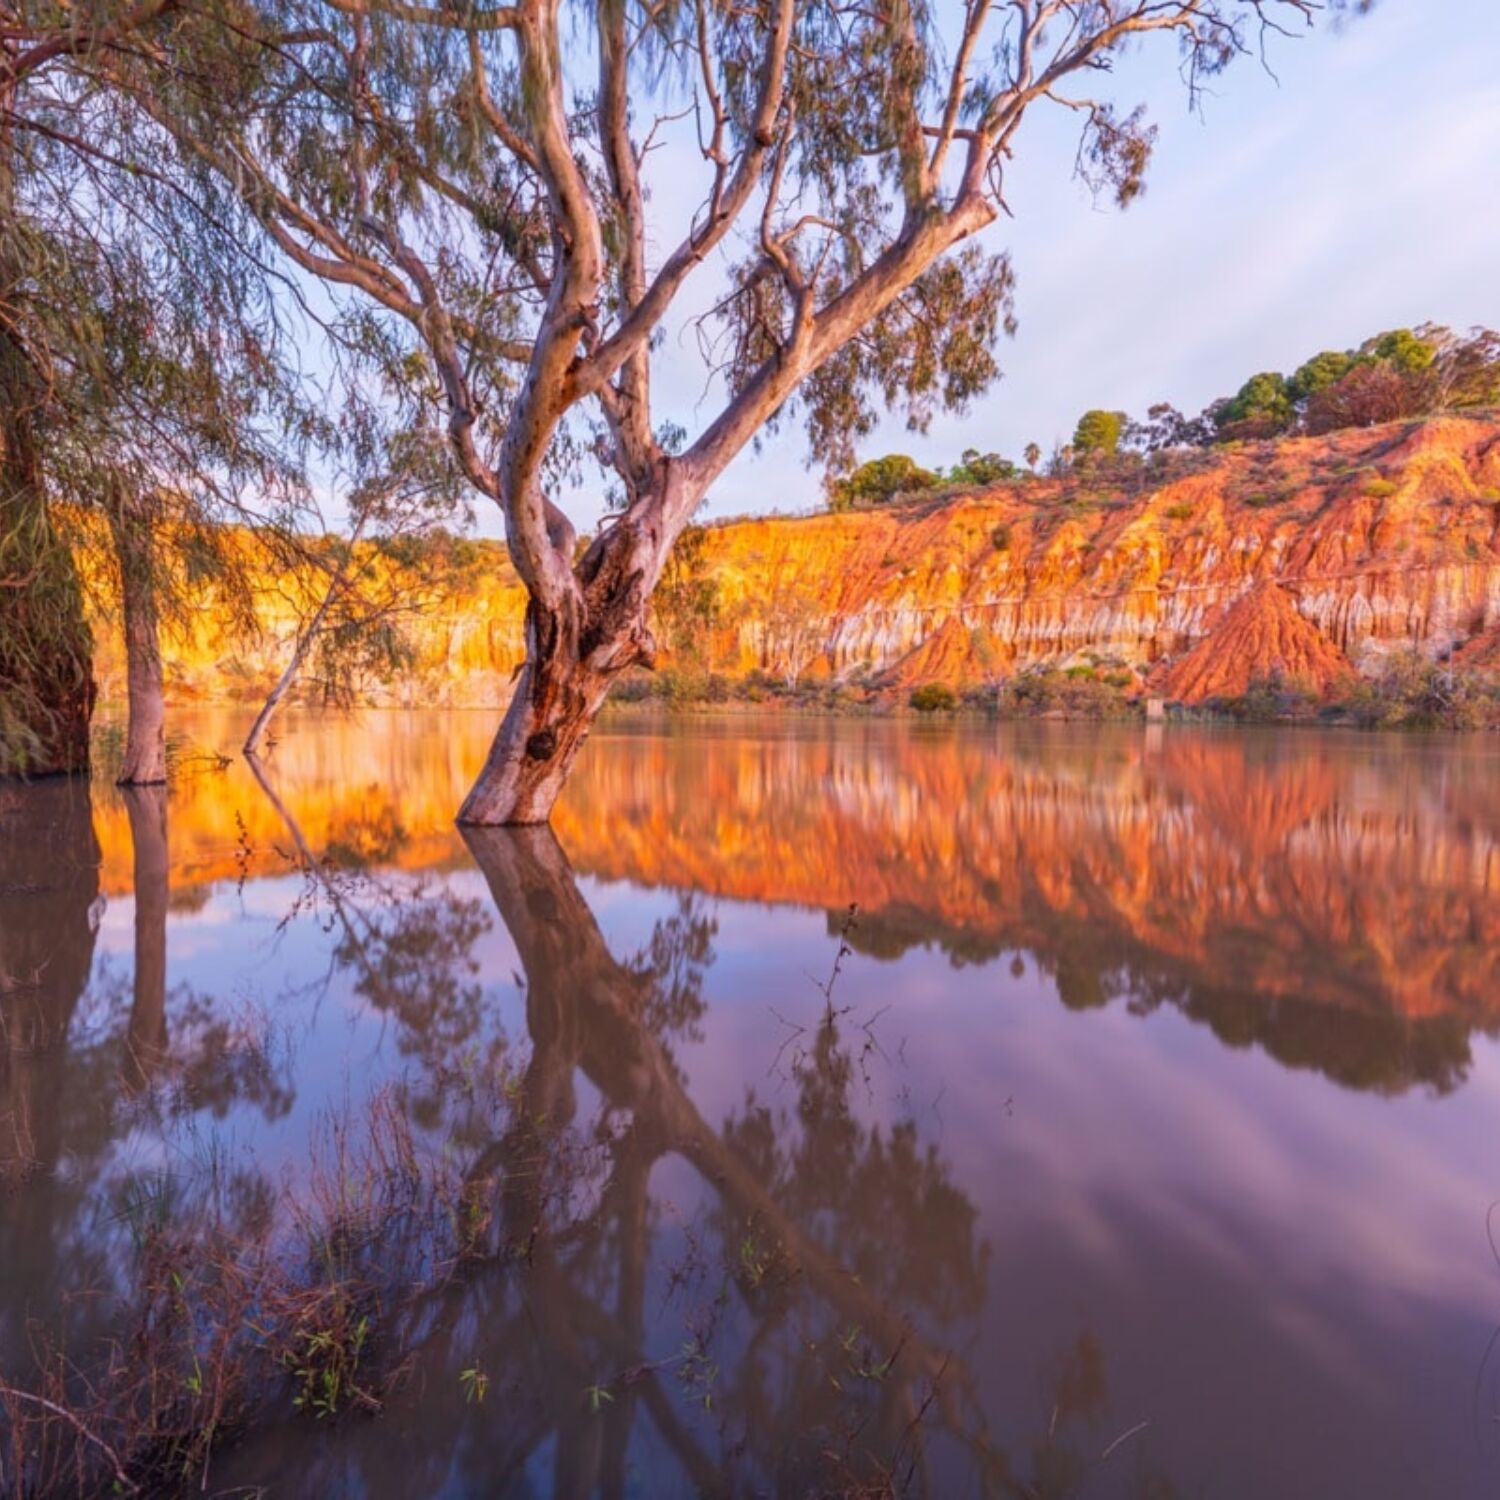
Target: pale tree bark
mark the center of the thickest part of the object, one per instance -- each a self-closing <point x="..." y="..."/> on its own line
<point x="131" y="524"/>
<point x="300" y="647"/>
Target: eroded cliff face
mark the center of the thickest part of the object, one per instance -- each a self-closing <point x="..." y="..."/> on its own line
<point x="1314" y="558"/>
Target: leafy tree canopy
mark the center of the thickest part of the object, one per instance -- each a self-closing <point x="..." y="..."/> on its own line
<point x="982" y="468"/>
<point x="1260" y="408"/>
<point x="1098" y="433"/>
<point x="880" y="480"/>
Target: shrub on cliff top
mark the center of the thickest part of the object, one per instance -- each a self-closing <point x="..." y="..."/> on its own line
<point x="1098" y="433"/>
<point x="880" y="480"/>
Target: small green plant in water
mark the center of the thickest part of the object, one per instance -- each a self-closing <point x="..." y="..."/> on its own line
<point x="475" y="1385"/>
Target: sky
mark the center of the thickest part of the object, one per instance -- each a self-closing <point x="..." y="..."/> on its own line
<point x="1352" y="192"/>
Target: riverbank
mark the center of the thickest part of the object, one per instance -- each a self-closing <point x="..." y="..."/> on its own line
<point x="1408" y="693"/>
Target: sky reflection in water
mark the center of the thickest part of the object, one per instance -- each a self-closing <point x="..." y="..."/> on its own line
<point x="1160" y="1087"/>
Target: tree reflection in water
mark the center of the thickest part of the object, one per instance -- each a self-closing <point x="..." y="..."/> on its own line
<point x="799" y="1330"/>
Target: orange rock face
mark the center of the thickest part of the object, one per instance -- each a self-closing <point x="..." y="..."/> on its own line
<point x="1315" y="557"/>
<point x="1262" y="633"/>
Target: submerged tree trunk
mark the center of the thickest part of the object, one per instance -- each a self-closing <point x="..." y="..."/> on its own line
<point x="145" y="762"/>
<point x="573" y="654"/>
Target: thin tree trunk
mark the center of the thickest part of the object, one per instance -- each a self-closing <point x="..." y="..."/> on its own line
<point x="146" y="1037"/>
<point x="145" y="762"/>
<point x="301" y="647"/>
<point x="283" y="683"/>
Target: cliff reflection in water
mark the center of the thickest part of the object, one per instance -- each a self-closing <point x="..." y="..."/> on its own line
<point x="1334" y="899"/>
<point x="704" y="1227"/>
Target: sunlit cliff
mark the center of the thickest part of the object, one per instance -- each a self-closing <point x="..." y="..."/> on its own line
<point x="1312" y="558"/>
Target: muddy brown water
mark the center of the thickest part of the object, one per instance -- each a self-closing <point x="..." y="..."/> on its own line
<point x="1037" y="1111"/>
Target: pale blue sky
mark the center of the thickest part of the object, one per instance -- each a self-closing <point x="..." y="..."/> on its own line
<point x="1355" y="191"/>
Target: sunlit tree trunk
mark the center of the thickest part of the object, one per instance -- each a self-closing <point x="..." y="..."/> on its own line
<point x="146" y="1037"/>
<point x="574" y="652"/>
<point x="145" y="762"/>
<point x="293" y="670"/>
<point x="337" y="583"/>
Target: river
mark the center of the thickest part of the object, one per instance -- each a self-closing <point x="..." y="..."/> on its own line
<point x="826" y="1107"/>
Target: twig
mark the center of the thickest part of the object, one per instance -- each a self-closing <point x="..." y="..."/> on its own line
<point x="1125" y="1436"/>
<point x="121" y="1477"/>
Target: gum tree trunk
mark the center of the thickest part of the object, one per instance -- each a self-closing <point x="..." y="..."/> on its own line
<point x="145" y="762"/>
<point x="302" y="645"/>
<point x="549" y="718"/>
<point x="573" y="654"/>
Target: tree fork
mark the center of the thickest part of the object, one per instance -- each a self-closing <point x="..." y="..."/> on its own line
<point x="573" y="655"/>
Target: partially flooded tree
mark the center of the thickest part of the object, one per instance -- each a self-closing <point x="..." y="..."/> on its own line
<point x="479" y="174"/>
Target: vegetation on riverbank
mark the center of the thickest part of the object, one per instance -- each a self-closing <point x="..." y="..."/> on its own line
<point x="1407" y="693"/>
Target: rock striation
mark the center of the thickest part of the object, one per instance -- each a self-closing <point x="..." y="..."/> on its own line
<point x="1314" y="558"/>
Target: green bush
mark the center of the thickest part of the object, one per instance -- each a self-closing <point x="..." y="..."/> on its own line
<point x="934" y="697"/>
<point x="880" y="480"/>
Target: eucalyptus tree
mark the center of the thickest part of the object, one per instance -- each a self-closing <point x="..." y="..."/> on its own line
<point x="482" y="175"/>
<point x="169" y="427"/>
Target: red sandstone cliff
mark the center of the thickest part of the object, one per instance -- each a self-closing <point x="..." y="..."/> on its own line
<point x="1314" y="557"/>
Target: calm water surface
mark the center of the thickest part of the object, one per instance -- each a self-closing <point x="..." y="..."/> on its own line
<point x="1142" y="1142"/>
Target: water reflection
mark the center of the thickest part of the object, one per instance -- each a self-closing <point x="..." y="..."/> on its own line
<point x="49" y="889"/>
<point x="146" y="1043"/>
<point x="1334" y="899"/>
<point x="1045" y="1194"/>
